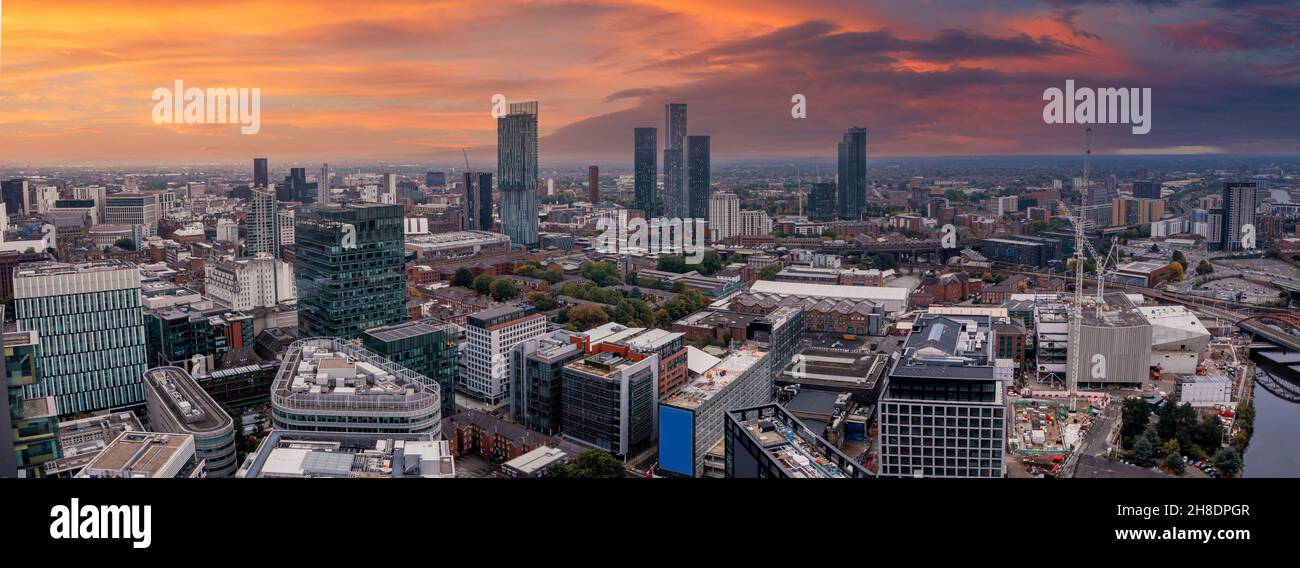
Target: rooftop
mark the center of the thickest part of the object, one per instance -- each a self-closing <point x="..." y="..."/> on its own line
<point x="875" y="293"/>
<point x="320" y="374"/>
<point x="793" y="447"/>
<point x="295" y="454"/>
<point x="716" y="379"/>
<point x="142" y="454"/>
<point x="188" y="403"/>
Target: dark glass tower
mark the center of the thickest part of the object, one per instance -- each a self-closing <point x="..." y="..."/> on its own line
<point x="517" y="173"/>
<point x="676" y="201"/>
<point x="478" y="201"/>
<point x="426" y="348"/>
<point x="349" y="265"/>
<point x="261" y="175"/>
<point x="853" y="174"/>
<point x="698" y="202"/>
<point x="593" y="184"/>
<point x="646" y="169"/>
<point x="1238" y="211"/>
<point x="821" y="202"/>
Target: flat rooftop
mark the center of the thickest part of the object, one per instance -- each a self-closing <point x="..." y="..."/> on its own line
<point x="327" y="373"/>
<point x="792" y="447"/>
<point x="716" y="379"/>
<point x="187" y="402"/>
<point x="142" y="454"/>
<point x="874" y="293"/>
<point x="297" y="454"/>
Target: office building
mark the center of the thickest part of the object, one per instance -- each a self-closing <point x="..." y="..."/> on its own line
<point x="248" y="283"/>
<point x="1238" y="211"/>
<point x="176" y="335"/>
<point x="676" y="199"/>
<point x="724" y="216"/>
<point x="323" y="184"/>
<point x="942" y="412"/>
<point x="1146" y="189"/>
<point x="334" y="386"/>
<point x="457" y="244"/>
<point x="852" y="181"/>
<point x="609" y="402"/>
<point x="645" y="170"/>
<point x="669" y="347"/>
<point x="537" y="385"/>
<point x="769" y="442"/>
<point x="1115" y="343"/>
<point x="141" y="455"/>
<point x="29" y="427"/>
<point x="349" y="268"/>
<point x="755" y="224"/>
<point x="352" y="455"/>
<point x="535" y="463"/>
<point x="517" y="173"/>
<point x="822" y="202"/>
<point x="135" y="209"/>
<point x="691" y="420"/>
<point x="261" y="174"/>
<point x="593" y="184"/>
<point x="490" y="335"/>
<point x="478" y="201"/>
<point x="178" y="405"/>
<point x="698" y="178"/>
<point x="435" y="179"/>
<point x="92" y="341"/>
<point x="80" y="440"/>
<point x="427" y="348"/>
<point x="15" y="195"/>
<point x="1179" y="340"/>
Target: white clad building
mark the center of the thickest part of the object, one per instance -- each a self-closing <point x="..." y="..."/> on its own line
<point x="490" y="335"/>
<point x="724" y="215"/>
<point x="755" y="223"/>
<point x="248" y="283"/>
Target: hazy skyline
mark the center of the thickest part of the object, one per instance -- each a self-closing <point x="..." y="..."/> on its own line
<point x="412" y="81"/>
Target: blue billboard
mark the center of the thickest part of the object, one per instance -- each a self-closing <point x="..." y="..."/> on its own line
<point x="676" y="440"/>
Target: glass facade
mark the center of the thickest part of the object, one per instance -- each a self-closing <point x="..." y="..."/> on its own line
<point x="34" y="426"/>
<point x="517" y="173"/>
<point x="646" y="170"/>
<point x="345" y="288"/>
<point x="427" y="349"/>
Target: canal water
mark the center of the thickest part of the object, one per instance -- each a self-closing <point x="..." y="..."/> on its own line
<point x="1274" y="449"/>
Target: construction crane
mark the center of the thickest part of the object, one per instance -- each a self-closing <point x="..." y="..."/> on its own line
<point x="466" y="153"/>
<point x="1081" y="247"/>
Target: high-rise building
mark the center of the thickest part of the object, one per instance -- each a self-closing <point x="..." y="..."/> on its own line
<point x="517" y="173"/>
<point x="323" y="184"/>
<point x="147" y="455"/>
<point x="15" y="195"/>
<point x="822" y="204"/>
<point x="249" y="283"/>
<point x="676" y="198"/>
<point x="724" y="216"/>
<point x="490" y="335"/>
<point x="536" y="381"/>
<point x="769" y="442"/>
<point x="645" y="170"/>
<point x="92" y="341"/>
<point x="261" y="175"/>
<point x="1238" y="211"/>
<point x="349" y="267"/>
<point x="698" y="180"/>
<point x="1146" y="189"/>
<point x="942" y="411"/>
<point x="593" y="184"/>
<point x="435" y="179"/>
<point x="852" y="174"/>
<point x="261" y="235"/>
<point x="29" y="427"/>
<point x="178" y="405"/>
<point x="135" y="209"/>
<point x="609" y="402"/>
<point x="478" y="201"/>
<point x="295" y="187"/>
<point x="691" y="420"/>
<point x="427" y="348"/>
<point x="755" y="223"/>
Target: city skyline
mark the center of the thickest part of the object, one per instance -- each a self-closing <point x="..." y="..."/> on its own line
<point x="412" y="82"/>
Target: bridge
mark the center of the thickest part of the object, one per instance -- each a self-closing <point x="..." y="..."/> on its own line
<point x="1279" y="387"/>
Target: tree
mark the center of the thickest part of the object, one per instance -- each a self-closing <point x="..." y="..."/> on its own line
<point x="504" y="289"/>
<point x="675" y="264"/>
<point x="1204" y="267"/>
<point x="770" y="271"/>
<point x="1144" y="454"/>
<point x="1228" y="461"/>
<point x="1174" y="463"/>
<point x="1170" y="447"/>
<point x="1155" y="247"/>
<point x="122" y="243"/>
<point x="1167" y="423"/>
<point x="602" y="273"/>
<point x="1208" y="433"/>
<point x="542" y="301"/>
<point x="463" y="278"/>
<point x="1175" y="272"/>
<point x="591" y="464"/>
<point x="1134" y="417"/>
<point x="710" y="264"/>
<point x="483" y="284"/>
<point x="587" y="316"/>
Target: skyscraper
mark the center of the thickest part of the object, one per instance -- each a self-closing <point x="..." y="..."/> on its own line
<point x="676" y="200"/>
<point x="517" y="172"/>
<point x="724" y="216"/>
<point x="822" y="204"/>
<point x="261" y="175"/>
<point x="1146" y="189"/>
<point x="295" y="187"/>
<point x="593" y="184"/>
<point x="323" y="184"/>
<point x="261" y="233"/>
<point x="15" y="195"/>
<point x="478" y="201"/>
<point x="645" y="169"/>
<point x="426" y="348"/>
<point x="852" y="174"/>
<point x="699" y="178"/>
<point x="349" y="269"/>
<point x="1238" y="211"/>
<point x="92" y="341"/>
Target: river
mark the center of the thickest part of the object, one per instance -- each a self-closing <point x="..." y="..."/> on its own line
<point x="1274" y="450"/>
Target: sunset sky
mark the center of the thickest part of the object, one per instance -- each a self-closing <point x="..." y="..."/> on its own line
<point x="412" y="80"/>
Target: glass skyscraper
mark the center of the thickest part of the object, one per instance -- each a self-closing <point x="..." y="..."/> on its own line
<point x="92" y="341"/>
<point x="350" y="260"/>
<point x="646" y="169"/>
<point x="1238" y="211"/>
<point x="427" y="348"/>
<point x="517" y="172"/>
<point x="853" y="174"/>
<point x="821" y="202"/>
<point x="697" y="148"/>
<point x="676" y="201"/>
<point x="478" y="201"/>
<point x="262" y="234"/>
